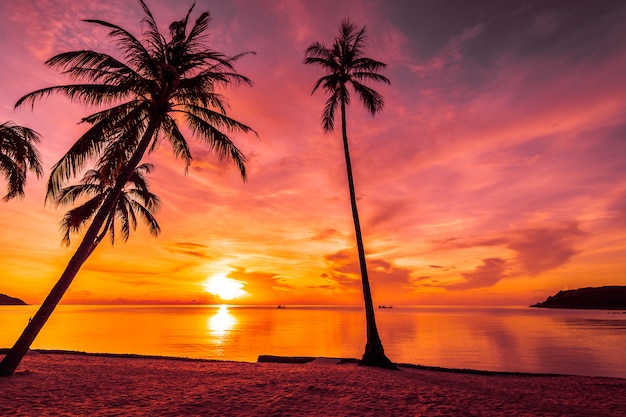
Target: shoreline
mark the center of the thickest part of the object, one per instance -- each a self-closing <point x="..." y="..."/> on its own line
<point x="303" y="360"/>
<point x="49" y="383"/>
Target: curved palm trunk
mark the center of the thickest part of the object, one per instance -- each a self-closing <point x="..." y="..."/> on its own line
<point x="374" y="353"/>
<point x="84" y="250"/>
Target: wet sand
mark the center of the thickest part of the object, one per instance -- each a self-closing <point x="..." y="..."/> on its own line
<point x="54" y="384"/>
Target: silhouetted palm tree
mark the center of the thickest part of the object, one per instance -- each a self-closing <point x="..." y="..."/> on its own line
<point x="134" y="201"/>
<point x="18" y="155"/>
<point x="345" y="67"/>
<point x="156" y="80"/>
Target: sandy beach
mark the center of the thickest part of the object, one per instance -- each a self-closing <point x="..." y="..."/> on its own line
<point x="54" y="384"/>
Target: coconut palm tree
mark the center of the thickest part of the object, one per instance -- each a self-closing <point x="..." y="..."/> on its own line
<point x="346" y="66"/>
<point x="134" y="201"/>
<point x="159" y="82"/>
<point x="18" y="155"/>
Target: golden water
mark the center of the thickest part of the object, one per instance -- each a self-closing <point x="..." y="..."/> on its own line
<point x="500" y="339"/>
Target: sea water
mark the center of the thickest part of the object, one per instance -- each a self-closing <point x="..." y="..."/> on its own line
<point x="520" y="339"/>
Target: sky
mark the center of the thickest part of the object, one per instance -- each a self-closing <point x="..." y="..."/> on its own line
<point x="495" y="175"/>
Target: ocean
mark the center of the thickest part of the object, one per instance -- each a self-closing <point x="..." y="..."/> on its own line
<point x="513" y="339"/>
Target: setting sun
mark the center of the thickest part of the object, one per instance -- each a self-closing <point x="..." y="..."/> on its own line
<point x="224" y="287"/>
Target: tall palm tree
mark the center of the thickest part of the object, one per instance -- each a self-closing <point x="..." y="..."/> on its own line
<point x="158" y="82"/>
<point x="346" y="66"/>
<point x="134" y="201"/>
<point x="18" y="155"/>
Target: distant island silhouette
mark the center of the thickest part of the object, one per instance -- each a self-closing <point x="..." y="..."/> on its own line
<point x="608" y="298"/>
<point x="5" y="300"/>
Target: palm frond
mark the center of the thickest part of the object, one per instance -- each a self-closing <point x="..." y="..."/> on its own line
<point x="154" y="39"/>
<point x="328" y="115"/>
<point x="317" y="52"/>
<point x="367" y="65"/>
<point x="369" y="76"/>
<point x="218" y="119"/>
<point x="88" y="146"/>
<point x="146" y="214"/>
<point x="90" y="94"/>
<point x="18" y="155"/>
<point x="371" y="99"/>
<point x="134" y="51"/>
<point x="126" y="219"/>
<point x="18" y="144"/>
<point x="217" y="141"/>
<point x="199" y="29"/>
<point x="116" y="116"/>
<point x="69" y="195"/>
<point x="141" y="171"/>
<point x="149" y="19"/>
<point x="14" y="175"/>
<point x="77" y="217"/>
<point x="93" y="66"/>
<point x="358" y="42"/>
<point x="109" y="228"/>
<point x="144" y="197"/>
<point x="177" y="140"/>
<point x="330" y="83"/>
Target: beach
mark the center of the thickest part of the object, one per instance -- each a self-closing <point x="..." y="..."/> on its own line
<point x="53" y="384"/>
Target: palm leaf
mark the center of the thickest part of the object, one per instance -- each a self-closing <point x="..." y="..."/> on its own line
<point x="217" y="142"/>
<point x="177" y="140"/>
<point x="134" y="51"/>
<point x="77" y="217"/>
<point x="18" y="155"/>
<point x="90" y="94"/>
<point x="371" y="99"/>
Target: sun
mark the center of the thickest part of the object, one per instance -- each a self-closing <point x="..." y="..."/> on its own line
<point x="224" y="287"/>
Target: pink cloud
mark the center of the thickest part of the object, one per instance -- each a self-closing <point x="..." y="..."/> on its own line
<point x="535" y="250"/>
<point x="486" y="275"/>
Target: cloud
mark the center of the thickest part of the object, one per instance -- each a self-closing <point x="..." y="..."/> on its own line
<point x="450" y="57"/>
<point x="260" y="282"/>
<point x="343" y="269"/>
<point x="116" y="270"/>
<point x="327" y="234"/>
<point x="486" y="275"/>
<point x="188" y="248"/>
<point x="535" y="250"/>
<point x="543" y="249"/>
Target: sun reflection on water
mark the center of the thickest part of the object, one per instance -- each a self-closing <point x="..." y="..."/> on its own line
<point x="221" y="322"/>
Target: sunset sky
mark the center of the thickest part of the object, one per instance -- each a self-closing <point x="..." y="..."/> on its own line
<point x="495" y="175"/>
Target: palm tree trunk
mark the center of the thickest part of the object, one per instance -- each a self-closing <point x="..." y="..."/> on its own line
<point x="374" y="353"/>
<point x="86" y="248"/>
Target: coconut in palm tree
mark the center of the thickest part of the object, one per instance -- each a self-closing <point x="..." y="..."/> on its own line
<point x="158" y="78"/>
<point x="18" y="155"/>
<point x="348" y="69"/>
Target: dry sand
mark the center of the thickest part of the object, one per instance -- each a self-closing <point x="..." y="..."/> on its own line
<point x="77" y="385"/>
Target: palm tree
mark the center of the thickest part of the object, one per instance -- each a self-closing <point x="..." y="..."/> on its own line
<point x="346" y="66"/>
<point x="18" y="155"/>
<point x="157" y="83"/>
<point x="134" y="200"/>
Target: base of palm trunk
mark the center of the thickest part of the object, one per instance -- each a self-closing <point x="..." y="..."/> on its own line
<point x="375" y="356"/>
<point x="10" y="362"/>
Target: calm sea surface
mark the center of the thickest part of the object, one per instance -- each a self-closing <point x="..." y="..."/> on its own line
<point x="580" y="342"/>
